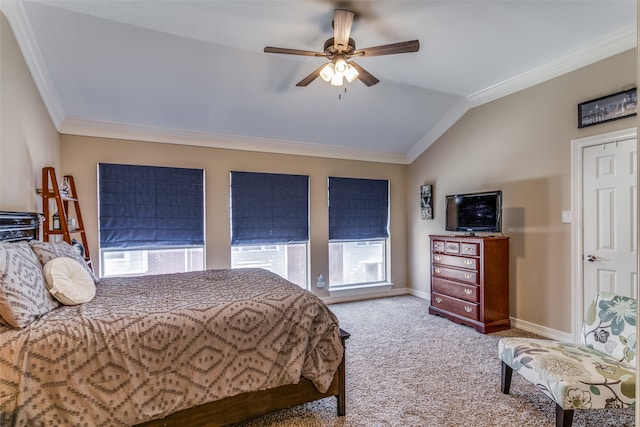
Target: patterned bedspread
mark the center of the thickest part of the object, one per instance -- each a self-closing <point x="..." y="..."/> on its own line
<point x="149" y="346"/>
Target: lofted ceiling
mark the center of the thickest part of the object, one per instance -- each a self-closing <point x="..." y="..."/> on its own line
<point x="194" y="72"/>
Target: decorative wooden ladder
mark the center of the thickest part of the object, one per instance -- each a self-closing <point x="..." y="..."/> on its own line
<point x="51" y="191"/>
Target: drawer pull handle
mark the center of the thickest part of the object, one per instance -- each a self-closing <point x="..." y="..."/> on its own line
<point x="437" y="257"/>
<point x="438" y="270"/>
<point x="468" y="262"/>
<point x="468" y="249"/>
<point x="467" y="275"/>
<point x="438" y="300"/>
<point x="467" y="309"/>
<point x="468" y="291"/>
<point x="452" y="247"/>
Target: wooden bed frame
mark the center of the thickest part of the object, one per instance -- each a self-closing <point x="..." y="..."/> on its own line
<point x="25" y="226"/>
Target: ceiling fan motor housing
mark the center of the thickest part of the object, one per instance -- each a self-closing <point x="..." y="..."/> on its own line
<point x="330" y="49"/>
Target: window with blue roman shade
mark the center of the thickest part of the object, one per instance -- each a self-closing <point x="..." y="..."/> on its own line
<point x="358" y="209"/>
<point x="150" y="207"/>
<point x="269" y="208"/>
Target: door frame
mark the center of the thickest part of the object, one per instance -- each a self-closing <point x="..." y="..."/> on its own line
<point x="577" y="147"/>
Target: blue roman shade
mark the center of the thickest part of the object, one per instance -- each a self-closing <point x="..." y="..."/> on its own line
<point x="150" y="207"/>
<point x="269" y="208"/>
<point x="358" y="209"/>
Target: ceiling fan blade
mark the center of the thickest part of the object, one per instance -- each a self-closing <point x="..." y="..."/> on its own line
<point x="311" y="77"/>
<point x="389" y="49"/>
<point x="342" y="21"/>
<point x="366" y="77"/>
<point x="270" y="49"/>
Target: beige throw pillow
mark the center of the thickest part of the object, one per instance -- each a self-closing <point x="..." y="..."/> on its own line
<point x="68" y="281"/>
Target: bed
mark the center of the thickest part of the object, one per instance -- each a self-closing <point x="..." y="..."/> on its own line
<point x="200" y="348"/>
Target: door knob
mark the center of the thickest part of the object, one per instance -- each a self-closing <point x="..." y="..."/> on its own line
<point x="592" y="258"/>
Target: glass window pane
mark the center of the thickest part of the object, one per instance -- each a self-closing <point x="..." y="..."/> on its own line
<point x="151" y="261"/>
<point x="288" y="261"/>
<point x="360" y="262"/>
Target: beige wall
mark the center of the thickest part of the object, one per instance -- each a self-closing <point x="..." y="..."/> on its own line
<point x="520" y="144"/>
<point x="80" y="156"/>
<point x="28" y="138"/>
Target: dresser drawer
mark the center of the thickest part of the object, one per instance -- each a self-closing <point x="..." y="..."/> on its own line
<point x="467" y="276"/>
<point x="438" y="246"/>
<point x="454" y="305"/>
<point x="468" y="249"/>
<point x="466" y="292"/>
<point x="456" y="261"/>
<point x="452" y="248"/>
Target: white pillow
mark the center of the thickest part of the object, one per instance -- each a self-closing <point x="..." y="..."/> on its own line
<point x="68" y="281"/>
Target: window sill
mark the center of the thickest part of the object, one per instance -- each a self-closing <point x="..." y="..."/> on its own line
<point x="351" y="288"/>
<point x="361" y="292"/>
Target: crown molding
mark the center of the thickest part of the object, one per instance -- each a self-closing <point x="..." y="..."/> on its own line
<point x="16" y="15"/>
<point x="438" y="130"/>
<point x="623" y="40"/>
<point x="619" y="42"/>
<point x="103" y="129"/>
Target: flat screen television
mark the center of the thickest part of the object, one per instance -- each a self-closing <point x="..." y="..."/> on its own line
<point x="474" y="212"/>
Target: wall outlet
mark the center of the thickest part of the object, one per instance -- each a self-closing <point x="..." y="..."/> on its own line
<point x="566" y="217"/>
<point x="320" y="282"/>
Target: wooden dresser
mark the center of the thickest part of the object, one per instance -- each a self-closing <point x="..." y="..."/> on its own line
<point x="470" y="281"/>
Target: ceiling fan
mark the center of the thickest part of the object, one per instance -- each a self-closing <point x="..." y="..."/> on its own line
<point x="339" y="49"/>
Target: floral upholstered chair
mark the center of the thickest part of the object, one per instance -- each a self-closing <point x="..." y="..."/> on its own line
<point x="598" y="373"/>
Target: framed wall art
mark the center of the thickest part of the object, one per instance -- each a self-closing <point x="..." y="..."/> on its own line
<point x="607" y="108"/>
<point x="426" y="202"/>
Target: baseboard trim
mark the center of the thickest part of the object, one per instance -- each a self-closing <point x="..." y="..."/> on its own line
<point x="421" y="294"/>
<point x="541" y="330"/>
<point x="517" y="323"/>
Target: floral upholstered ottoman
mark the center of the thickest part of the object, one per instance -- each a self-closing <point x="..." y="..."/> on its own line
<point x="598" y="373"/>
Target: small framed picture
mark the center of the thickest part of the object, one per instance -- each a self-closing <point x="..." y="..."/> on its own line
<point x="426" y="202"/>
<point x="607" y="108"/>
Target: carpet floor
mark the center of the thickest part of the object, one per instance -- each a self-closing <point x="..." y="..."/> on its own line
<point x="408" y="368"/>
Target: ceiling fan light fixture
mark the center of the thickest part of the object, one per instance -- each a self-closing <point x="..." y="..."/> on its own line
<point x="341" y="66"/>
<point x="351" y="74"/>
<point x="327" y="72"/>
<point x="337" y="79"/>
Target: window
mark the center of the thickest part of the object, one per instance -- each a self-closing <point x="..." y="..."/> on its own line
<point x="270" y="223"/>
<point x="151" y="219"/>
<point x="151" y="261"/>
<point x="358" y="231"/>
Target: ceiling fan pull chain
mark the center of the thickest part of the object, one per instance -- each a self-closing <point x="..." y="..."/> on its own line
<point x="339" y="94"/>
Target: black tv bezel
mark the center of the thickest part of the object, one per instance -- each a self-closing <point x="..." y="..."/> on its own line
<point x="497" y="228"/>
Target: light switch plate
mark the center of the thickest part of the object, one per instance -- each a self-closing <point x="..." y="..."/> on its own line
<point x="566" y="217"/>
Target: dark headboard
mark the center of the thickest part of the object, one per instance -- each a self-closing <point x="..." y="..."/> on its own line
<point x="19" y="225"/>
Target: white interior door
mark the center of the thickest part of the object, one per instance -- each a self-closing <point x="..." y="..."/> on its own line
<point x="610" y="219"/>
